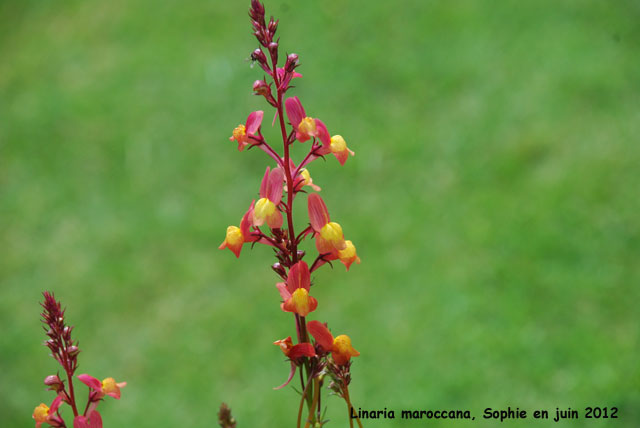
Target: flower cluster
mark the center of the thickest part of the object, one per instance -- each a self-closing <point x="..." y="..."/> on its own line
<point x="65" y="351"/>
<point x="269" y="220"/>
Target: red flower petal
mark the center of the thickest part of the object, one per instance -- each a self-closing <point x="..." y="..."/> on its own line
<point x="321" y="333"/>
<point x="302" y="350"/>
<point x="318" y="213"/>
<point x="299" y="277"/>
<point x="56" y="404"/>
<point x="95" y="420"/>
<point x="295" y="112"/>
<point x="291" y="374"/>
<point x="265" y="183"/>
<point x="253" y="122"/>
<point x="91" y="382"/>
<point x="284" y="293"/>
<point x="322" y="133"/>
<point x="274" y="186"/>
<point x="275" y="220"/>
<point x="80" y="422"/>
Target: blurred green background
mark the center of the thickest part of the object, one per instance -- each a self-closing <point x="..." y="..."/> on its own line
<point x="493" y="200"/>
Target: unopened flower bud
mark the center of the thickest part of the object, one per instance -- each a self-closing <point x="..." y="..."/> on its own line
<point x="301" y="254"/>
<point x="73" y="351"/>
<point x="258" y="55"/>
<point x="273" y="26"/>
<point x="54" y="383"/>
<point x="279" y="269"/>
<point x="260" y="87"/>
<point x="292" y="63"/>
<point x="273" y="49"/>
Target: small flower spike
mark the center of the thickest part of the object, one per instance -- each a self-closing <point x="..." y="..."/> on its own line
<point x="107" y="387"/>
<point x="340" y="346"/>
<point x="246" y="134"/>
<point x="339" y="149"/>
<point x="45" y="414"/>
<point x="266" y="209"/>
<point x="238" y="236"/>
<point x="329" y="235"/>
<point x="296" y="291"/>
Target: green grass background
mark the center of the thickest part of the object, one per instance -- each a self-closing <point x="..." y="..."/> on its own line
<point x="493" y="200"/>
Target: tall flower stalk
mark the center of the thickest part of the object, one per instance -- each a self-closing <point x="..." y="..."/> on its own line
<point x="65" y="351"/>
<point x="316" y="356"/>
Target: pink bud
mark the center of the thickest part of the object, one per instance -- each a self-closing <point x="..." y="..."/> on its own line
<point x="54" y="383"/>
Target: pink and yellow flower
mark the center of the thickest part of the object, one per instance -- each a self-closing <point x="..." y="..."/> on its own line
<point x="340" y="346"/>
<point x="295" y="293"/>
<point x="330" y="240"/>
<point x="293" y="352"/>
<point x="339" y="149"/>
<point x="45" y="414"/>
<point x="108" y="386"/>
<point x="237" y="236"/>
<point x="329" y="235"/>
<point x="303" y="179"/>
<point x="243" y="134"/>
<point x="306" y="127"/>
<point x="266" y="209"/>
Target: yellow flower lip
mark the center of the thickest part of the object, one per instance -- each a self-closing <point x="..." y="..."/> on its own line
<point x="307" y="126"/>
<point x="338" y="144"/>
<point x="332" y="231"/>
<point x="234" y="235"/>
<point x="343" y="350"/>
<point x="300" y="300"/>
<point x="109" y="385"/>
<point x="41" y="413"/>
<point x="239" y="132"/>
<point x="263" y="209"/>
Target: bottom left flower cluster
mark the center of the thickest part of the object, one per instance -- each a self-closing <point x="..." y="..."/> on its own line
<point x="65" y="351"/>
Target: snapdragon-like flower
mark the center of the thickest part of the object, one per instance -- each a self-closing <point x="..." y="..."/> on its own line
<point x="306" y="127"/>
<point x="307" y="180"/>
<point x="266" y="209"/>
<point x="237" y="236"/>
<point x="295" y="292"/>
<point x="108" y="386"/>
<point x="246" y="134"/>
<point x="45" y="414"/>
<point x="339" y="149"/>
<point x="340" y="346"/>
<point x="329" y="235"/>
<point x="293" y="352"/>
